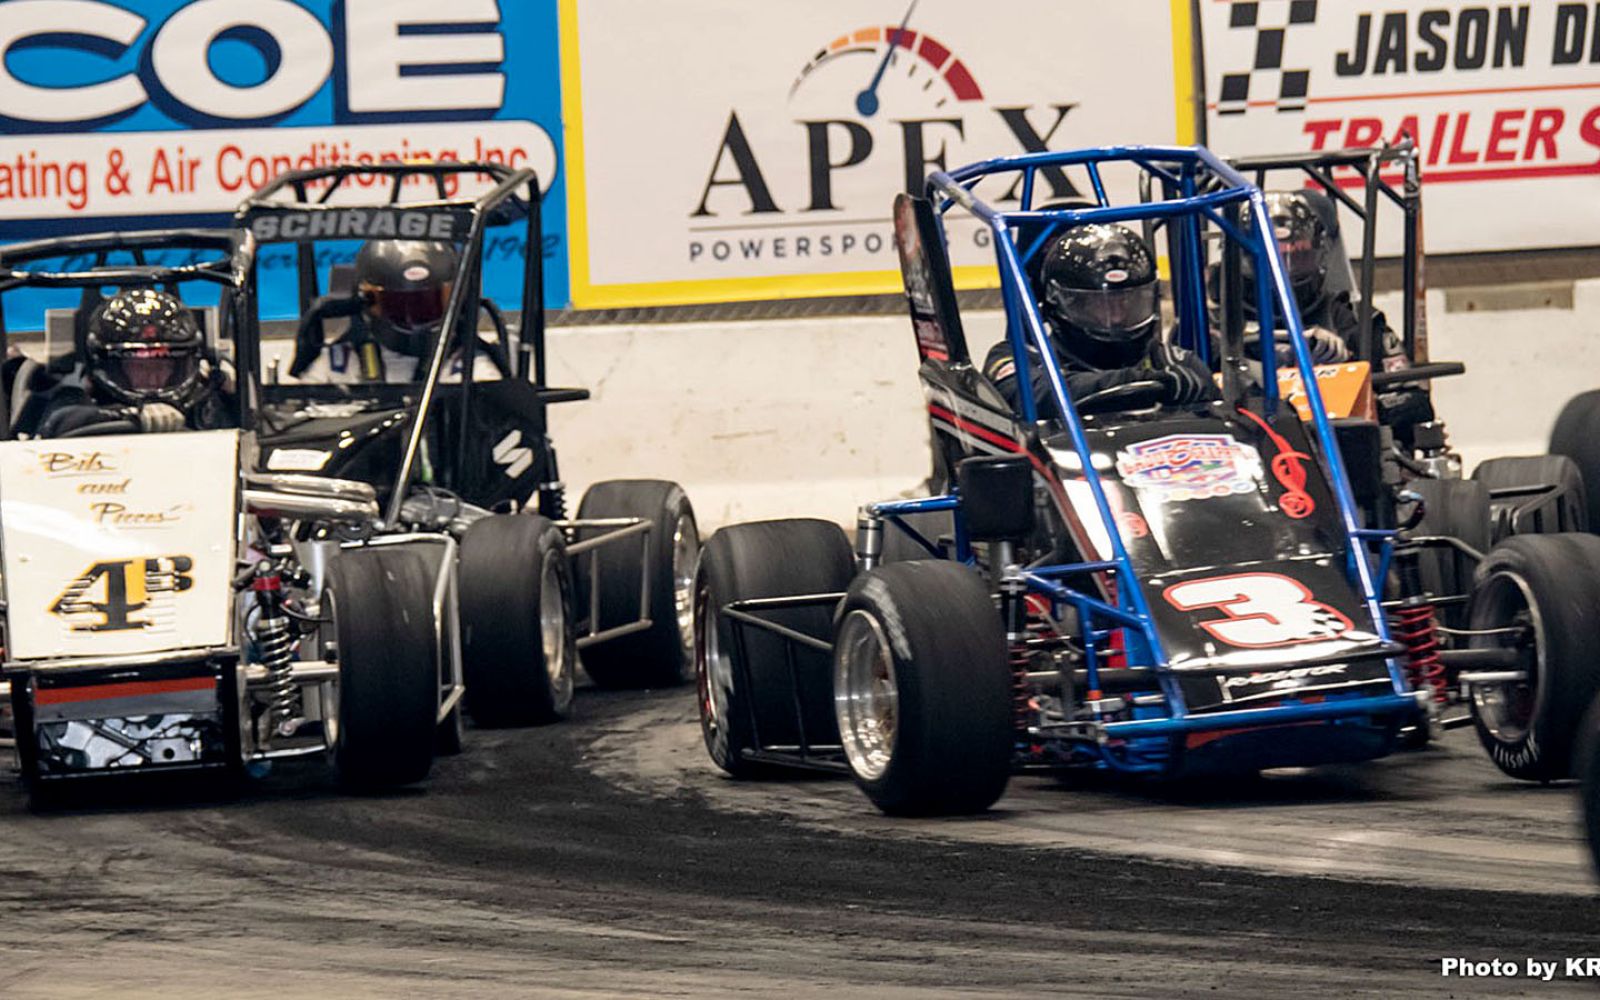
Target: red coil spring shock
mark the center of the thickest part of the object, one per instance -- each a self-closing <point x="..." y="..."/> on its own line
<point x="1413" y="625"/>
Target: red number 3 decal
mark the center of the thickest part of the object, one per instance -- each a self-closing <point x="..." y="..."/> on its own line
<point x="1260" y="610"/>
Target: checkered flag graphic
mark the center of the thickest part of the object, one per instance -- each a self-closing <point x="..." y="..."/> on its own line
<point x="1271" y="20"/>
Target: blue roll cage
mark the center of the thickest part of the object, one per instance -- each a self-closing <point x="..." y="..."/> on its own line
<point x="1198" y="187"/>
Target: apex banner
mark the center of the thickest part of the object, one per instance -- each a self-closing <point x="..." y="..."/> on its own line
<point x="726" y="150"/>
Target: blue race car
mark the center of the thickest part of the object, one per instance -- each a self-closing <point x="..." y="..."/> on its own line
<point x="1127" y="585"/>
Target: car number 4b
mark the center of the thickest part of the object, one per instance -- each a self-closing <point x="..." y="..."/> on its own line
<point x="1258" y="610"/>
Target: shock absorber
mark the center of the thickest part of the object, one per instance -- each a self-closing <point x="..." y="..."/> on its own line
<point x="275" y="638"/>
<point x="1413" y="624"/>
<point x="1014" y="608"/>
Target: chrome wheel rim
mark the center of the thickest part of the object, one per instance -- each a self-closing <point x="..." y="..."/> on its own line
<point x="713" y="673"/>
<point x="553" y="629"/>
<point x="866" y="700"/>
<point x="685" y="560"/>
<point x="1507" y="710"/>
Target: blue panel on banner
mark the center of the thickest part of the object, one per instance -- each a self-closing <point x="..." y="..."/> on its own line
<point x="126" y="114"/>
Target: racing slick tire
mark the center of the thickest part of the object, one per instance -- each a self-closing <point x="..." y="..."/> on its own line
<point x="764" y="559"/>
<point x="1455" y="508"/>
<point x="1577" y="436"/>
<point x="922" y="690"/>
<point x="1549" y="587"/>
<point x="1587" y="764"/>
<point x="1571" y="509"/>
<point x="659" y="656"/>
<point x="518" y="654"/>
<point x="381" y="603"/>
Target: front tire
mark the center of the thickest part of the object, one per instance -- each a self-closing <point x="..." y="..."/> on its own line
<point x="381" y="601"/>
<point x="1548" y="588"/>
<point x="518" y="654"/>
<point x="660" y="655"/>
<point x="744" y="687"/>
<point x="922" y="690"/>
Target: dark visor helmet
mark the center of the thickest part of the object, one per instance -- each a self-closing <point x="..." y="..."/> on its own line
<point x="1100" y="293"/>
<point x="144" y="346"/>
<point x="405" y="285"/>
<point x="1303" y="244"/>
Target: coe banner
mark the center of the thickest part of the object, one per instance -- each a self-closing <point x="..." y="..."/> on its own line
<point x="141" y="113"/>
<point x="1503" y="101"/>
<point x="721" y="150"/>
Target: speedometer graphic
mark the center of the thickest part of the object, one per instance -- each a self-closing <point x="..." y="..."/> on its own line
<point x="888" y="65"/>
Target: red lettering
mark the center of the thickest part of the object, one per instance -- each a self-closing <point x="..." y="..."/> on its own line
<point x="1542" y="129"/>
<point x="1363" y="132"/>
<point x="1590" y="128"/>
<point x="223" y="156"/>
<point x="1408" y="130"/>
<point x="1321" y="131"/>
<point x="1441" y="127"/>
<point x="1458" y="154"/>
<point x="1503" y="127"/>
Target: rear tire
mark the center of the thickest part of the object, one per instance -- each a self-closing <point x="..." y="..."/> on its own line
<point x="517" y="650"/>
<point x="1569" y="513"/>
<point x="747" y="561"/>
<point x="1551" y="585"/>
<point x="381" y="601"/>
<point x="1577" y="436"/>
<point x="922" y="690"/>
<point x="1457" y="508"/>
<point x="659" y="656"/>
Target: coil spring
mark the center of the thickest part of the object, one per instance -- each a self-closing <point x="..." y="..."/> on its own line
<point x="1021" y="695"/>
<point x="275" y="651"/>
<point x="1414" y="626"/>
<point x="553" y="502"/>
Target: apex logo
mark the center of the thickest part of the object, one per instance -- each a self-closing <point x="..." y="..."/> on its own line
<point x="1271" y="21"/>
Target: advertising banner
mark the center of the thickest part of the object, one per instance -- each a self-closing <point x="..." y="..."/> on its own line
<point x="1502" y="99"/>
<point x="141" y="113"/>
<point x="722" y="150"/>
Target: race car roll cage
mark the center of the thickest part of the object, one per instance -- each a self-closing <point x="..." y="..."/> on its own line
<point x="514" y="196"/>
<point x="1198" y="187"/>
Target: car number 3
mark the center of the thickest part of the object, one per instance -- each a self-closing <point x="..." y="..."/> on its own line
<point x="1259" y="610"/>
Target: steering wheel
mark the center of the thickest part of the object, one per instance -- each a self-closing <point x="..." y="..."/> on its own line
<point x="113" y="425"/>
<point x="1140" y="395"/>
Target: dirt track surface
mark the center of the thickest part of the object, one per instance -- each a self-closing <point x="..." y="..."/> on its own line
<point x="606" y="858"/>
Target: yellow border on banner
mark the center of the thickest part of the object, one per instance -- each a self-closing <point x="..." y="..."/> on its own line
<point x="1183" y="72"/>
<point x="668" y="293"/>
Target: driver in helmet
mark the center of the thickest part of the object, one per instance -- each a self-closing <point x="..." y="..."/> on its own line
<point x="1332" y="324"/>
<point x="402" y="290"/>
<point x="1102" y="309"/>
<point x="145" y="367"/>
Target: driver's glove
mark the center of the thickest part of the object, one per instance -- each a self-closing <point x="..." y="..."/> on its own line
<point x="159" y="418"/>
<point x="1184" y="383"/>
<point x="1327" y="347"/>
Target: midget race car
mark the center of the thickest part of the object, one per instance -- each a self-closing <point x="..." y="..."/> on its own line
<point x="1130" y="587"/>
<point x="171" y="607"/>
<point x="1407" y="479"/>
<point x="449" y="437"/>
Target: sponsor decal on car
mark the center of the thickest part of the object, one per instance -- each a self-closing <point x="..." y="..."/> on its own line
<point x="1190" y="466"/>
<point x="1276" y="677"/>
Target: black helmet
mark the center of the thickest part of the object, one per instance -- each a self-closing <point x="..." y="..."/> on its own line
<point x="1099" y="285"/>
<point x="1302" y="242"/>
<point x="406" y="285"/>
<point x="142" y="346"/>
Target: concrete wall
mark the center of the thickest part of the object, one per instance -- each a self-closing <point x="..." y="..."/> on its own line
<point x="812" y="417"/>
